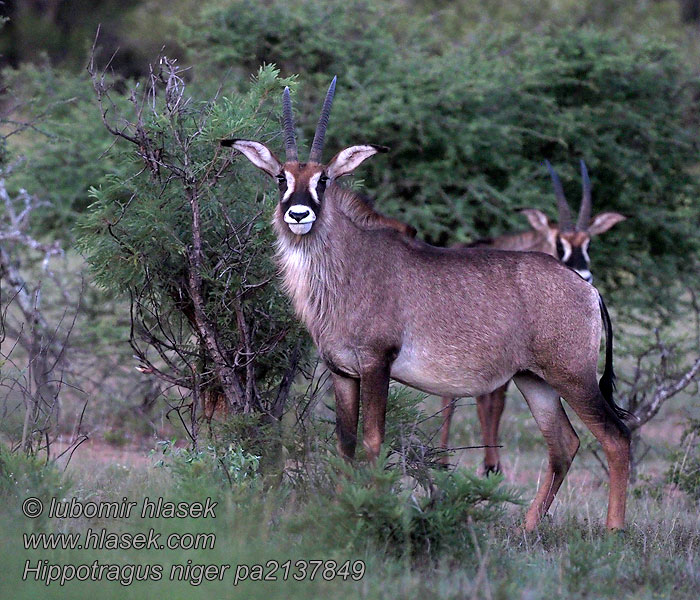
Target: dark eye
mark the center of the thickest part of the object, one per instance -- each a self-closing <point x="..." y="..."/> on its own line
<point x="323" y="180"/>
<point x="281" y="180"/>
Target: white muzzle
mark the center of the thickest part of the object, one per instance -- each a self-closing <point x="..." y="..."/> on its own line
<point x="300" y="218"/>
<point x="586" y="274"/>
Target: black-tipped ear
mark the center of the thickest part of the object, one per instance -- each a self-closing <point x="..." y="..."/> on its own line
<point x="604" y="221"/>
<point x="256" y="153"/>
<point x="346" y="161"/>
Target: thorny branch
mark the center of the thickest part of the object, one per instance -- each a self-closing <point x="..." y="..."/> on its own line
<point x="181" y="331"/>
<point x="39" y="382"/>
<point x="645" y="404"/>
<point x="654" y="382"/>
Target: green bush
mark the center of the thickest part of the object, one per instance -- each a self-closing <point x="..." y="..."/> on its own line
<point x="377" y="506"/>
<point x="66" y="147"/>
<point x="141" y="239"/>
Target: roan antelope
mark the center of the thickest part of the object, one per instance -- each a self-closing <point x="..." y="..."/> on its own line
<point x="451" y="322"/>
<point x="563" y="240"/>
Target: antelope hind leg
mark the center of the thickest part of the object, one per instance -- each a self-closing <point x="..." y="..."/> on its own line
<point x="611" y="432"/>
<point x="490" y="407"/>
<point x="562" y="441"/>
<point x="448" y="409"/>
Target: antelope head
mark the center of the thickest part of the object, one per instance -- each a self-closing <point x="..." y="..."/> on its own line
<point x="303" y="185"/>
<point x="570" y="241"/>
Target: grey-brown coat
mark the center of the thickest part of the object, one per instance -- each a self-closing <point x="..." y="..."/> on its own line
<point x="380" y="305"/>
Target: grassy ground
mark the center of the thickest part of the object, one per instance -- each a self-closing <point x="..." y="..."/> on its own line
<point x="570" y="556"/>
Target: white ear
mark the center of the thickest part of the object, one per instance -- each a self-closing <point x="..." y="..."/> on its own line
<point x="346" y="161"/>
<point x="537" y="219"/>
<point x="604" y="221"/>
<point x="258" y="154"/>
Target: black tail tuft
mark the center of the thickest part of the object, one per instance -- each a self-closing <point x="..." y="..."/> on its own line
<point x="607" y="381"/>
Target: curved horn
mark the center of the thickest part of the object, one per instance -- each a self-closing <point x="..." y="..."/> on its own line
<point x="317" y="145"/>
<point x="565" y="223"/>
<point x="290" y="142"/>
<point x="584" y="214"/>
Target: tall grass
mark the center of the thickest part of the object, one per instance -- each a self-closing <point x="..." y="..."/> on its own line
<point x="259" y="520"/>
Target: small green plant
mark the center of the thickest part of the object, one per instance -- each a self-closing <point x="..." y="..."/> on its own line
<point x="647" y="486"/>
<point x="408" y="435"/>
<point x="22" y="476"/>
<point x="212" y="468"/>
<point x="589" y="560"/>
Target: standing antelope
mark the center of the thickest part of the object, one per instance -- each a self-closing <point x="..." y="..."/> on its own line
<point x="562" y="240"/>
<point x="452" y="322"/>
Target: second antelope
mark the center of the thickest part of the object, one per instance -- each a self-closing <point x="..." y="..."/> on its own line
<point x="563" y="240"/>
<point x="451" y="322"/>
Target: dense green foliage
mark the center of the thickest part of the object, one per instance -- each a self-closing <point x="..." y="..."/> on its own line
<point x="68" y="151"/>
<point x="63" y="30"/>
<point x="470" y="125"/>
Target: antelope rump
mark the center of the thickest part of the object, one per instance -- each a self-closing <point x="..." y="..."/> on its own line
<point x="570" y="244"/>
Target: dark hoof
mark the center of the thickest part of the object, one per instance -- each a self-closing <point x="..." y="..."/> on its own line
<point x="492" y="469"/>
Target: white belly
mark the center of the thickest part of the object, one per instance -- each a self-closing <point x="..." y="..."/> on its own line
<point x="429" y="374"/>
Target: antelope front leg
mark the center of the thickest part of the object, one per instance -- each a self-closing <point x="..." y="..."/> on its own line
<point x="374" y="388"/>
<point x="347" y="408"/>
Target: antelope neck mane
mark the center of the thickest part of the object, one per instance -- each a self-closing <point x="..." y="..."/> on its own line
<point x="357" y="210"/>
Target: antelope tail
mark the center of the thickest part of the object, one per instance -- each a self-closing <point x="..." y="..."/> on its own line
<point x="607" y="381"/>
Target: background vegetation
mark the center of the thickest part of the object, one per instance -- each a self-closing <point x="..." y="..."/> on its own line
<point x="138" y="298"/>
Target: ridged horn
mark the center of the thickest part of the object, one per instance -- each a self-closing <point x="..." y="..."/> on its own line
<point x="317" y="145"/>
<point x="565" y="223"/>
<point x="290" y="142"/>
<point x="584" y="214"/>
